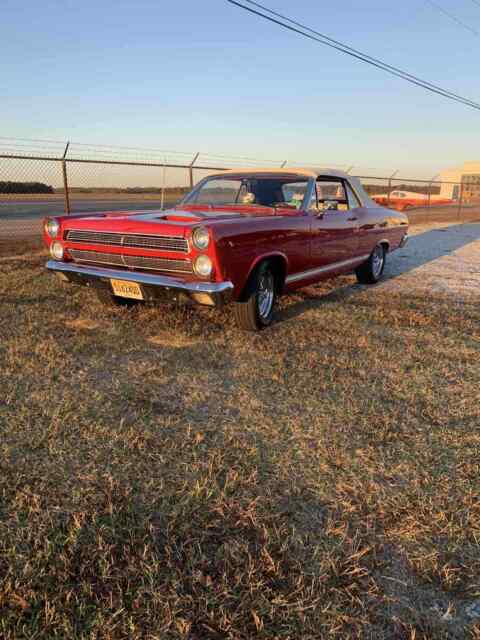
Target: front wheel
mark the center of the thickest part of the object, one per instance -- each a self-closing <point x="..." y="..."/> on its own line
<point x="256" y="312"/>
<point x="371" y="271"/>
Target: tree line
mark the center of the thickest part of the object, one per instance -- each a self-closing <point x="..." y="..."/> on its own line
<point x="6" y="186"/>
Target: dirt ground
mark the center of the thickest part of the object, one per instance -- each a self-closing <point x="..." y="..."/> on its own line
<point x="165" y="476"/>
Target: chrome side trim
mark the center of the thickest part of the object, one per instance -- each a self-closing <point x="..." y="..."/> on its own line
<point x="168" y="282"/>
<point x="303" y="275"/>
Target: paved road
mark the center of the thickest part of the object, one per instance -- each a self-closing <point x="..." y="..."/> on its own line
<point x="22" y="218"/>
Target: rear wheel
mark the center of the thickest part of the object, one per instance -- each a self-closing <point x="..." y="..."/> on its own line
<point x="114" y="302"/>
<point x="257" y="311"/>
<point x="371" y="271"/>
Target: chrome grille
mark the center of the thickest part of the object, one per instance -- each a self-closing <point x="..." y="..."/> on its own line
<point x="142" y="241"/>
<point x="132" y="262"/>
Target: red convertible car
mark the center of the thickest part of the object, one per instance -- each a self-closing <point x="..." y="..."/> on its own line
<point x="240" y="236"/>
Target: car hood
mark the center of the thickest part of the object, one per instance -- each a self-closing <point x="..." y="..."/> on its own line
<point x="168" y="221"/>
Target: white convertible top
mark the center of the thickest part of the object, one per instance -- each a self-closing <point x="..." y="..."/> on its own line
<point x="309" y="172"/>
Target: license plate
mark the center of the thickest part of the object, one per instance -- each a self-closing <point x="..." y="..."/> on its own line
<point x="126" y="289"/>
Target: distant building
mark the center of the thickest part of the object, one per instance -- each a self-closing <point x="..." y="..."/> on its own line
<point x="465" y="181"/>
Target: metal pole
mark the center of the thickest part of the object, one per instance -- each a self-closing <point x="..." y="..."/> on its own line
<point x="65" y="180"/>
<point x="430" y="190"/>
<point x="190" y="169"/>
<point x="460" y="201"/>
<point x="389" y="190"/>
<point x="390" y="186"/>
<point x="162" y="203"/>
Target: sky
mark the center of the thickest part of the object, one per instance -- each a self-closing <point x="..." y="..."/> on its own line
<point x="194" y="75"/>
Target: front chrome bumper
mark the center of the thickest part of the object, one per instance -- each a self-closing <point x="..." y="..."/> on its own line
<point x="154" y="287"/>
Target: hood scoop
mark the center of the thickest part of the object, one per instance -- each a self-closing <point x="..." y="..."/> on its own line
<point x="181" y="216"/>
<point x="170" y="216"/>
<point x="185" y="216"/>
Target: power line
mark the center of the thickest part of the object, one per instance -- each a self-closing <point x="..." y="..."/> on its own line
<point x="340" y="46"/>
<point x="344" y="48"/>
<point x="453" y="17"/>
<point x="356" y="51"/>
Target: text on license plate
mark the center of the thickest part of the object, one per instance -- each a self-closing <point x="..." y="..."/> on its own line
<point x="127" y="289"/>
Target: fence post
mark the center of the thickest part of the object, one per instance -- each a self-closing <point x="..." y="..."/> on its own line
<point x="430" y="190"/>
<point x="164" y="170"/>
<point x="65" y="180"/>
<point x="190" y="169"/>
<point x="390" y="186"/>
<point x="460" y="202"/>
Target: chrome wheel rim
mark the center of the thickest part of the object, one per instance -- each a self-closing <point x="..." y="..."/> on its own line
<point x="378" y="258"/>
<point x="266" y="294"/>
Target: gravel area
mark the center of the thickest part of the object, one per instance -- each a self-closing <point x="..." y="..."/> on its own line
<point x="439" y="260"/>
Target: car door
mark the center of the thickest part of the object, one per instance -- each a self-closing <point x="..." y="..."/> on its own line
<point x="335" y="224"/>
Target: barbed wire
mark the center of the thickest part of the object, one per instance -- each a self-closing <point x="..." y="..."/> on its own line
<point x="55" y="149"/>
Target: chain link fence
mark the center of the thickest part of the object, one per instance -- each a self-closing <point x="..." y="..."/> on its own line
<point x="39" y="179"/>
<point x="425" y="200"/>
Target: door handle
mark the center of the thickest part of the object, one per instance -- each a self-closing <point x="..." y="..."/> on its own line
<point x="352" y="219"/>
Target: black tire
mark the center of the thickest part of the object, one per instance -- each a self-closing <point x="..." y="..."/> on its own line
<point x="371" y="271"/>
<point x="114" y="302"/>
<point x="257" y="311"/>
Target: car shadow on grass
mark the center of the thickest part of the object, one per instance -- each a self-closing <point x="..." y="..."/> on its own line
<point x="422" y="249"/>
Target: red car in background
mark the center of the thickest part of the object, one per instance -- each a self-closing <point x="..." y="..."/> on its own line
<point x="243" y="237"/>
<point x="405" y="200"/>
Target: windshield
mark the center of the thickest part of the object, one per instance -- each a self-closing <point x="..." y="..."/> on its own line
<point x="266" y="191"/>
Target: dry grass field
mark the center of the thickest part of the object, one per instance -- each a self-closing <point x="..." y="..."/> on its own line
<point x="163" y="476"/>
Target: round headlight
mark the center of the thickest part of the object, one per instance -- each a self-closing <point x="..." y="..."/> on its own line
<point x="201" y="238"/>
<point x="56" y="251"/>
<point x="203" y="266"/>
<point x="52" y="227"/>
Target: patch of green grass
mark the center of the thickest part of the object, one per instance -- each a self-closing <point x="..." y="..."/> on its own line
<point x="163" y="475"/>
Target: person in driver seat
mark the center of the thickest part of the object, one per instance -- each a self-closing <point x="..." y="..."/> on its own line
<point x="248" y="198"/>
